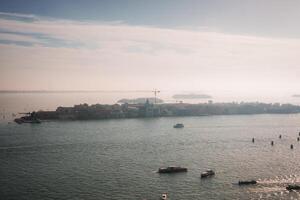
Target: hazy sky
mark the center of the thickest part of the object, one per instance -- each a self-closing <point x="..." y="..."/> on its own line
<point x="247" y="47"/>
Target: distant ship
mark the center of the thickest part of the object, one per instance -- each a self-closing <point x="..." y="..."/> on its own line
<point x="30" y="118"/>
<point x="22" y="120"/>
<point x="172" y="170"/>
<point x="178" y="126"/>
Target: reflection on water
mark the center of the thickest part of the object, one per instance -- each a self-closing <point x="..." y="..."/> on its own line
<point x="274" y="188"/>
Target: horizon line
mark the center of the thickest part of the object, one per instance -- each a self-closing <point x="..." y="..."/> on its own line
<point x="69" y="91"/>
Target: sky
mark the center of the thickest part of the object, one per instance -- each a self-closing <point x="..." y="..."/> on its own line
<point x="249" y="47"/>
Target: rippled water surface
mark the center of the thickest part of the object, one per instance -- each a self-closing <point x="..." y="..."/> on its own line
<point x="118" y="159"/>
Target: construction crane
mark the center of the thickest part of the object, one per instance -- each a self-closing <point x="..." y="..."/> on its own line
<point x="155" y="91"/>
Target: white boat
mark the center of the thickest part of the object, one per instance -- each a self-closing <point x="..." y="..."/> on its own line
<point x="164" y="196"/>
<point x="207" y="173"/>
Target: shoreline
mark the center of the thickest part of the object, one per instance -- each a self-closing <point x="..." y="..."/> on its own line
<point x="150" y="110"/>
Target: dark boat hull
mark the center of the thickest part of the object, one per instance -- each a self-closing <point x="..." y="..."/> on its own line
<point x="30" y="121"/>
<point x="208" y="174"/>
<point x="178" y="126"/>
<point x="172" y="170"/>
<point x="252" y="182"/>
<point x="293" y="187"/>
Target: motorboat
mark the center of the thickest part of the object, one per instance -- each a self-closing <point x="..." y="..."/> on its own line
<point x="207" y="173"/>
<point x="26" y="119"/>
<point x="164" y="196"/>
<point x="293" y="187"/>
<point x="249" y="182"/>
<point x="178" y="126"/>
<point x="172" y="170"/>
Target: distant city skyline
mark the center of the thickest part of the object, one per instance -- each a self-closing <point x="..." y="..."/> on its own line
<point x="242" y="47"/>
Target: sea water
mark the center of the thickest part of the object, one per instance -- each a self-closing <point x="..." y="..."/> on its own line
<point x="118" y="159"/>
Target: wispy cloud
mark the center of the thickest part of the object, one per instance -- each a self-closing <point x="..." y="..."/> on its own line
<point x="8" y="36"/>
<point x="114" y="55"/>
<point x="17" y="16"/>
<point x="34" y="39"/>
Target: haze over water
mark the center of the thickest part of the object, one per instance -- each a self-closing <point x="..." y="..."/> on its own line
<point x="17" y="102"/>
<point x="103" y="51"/>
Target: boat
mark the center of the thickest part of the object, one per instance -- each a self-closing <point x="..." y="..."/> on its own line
<point x="164" y="196"/>
<point x="29" y="118"/>
<point x="207" y="173"/>
<point x="178" y="126"/>
<point x="250" y="182"/>
<point x="18" y="120"/>
<point x="293" y="187"/>
<point x="172" y="170"/>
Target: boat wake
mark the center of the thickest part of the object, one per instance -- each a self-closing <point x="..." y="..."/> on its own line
<point x="275" y="188"/>
<point x="287" y="179"/>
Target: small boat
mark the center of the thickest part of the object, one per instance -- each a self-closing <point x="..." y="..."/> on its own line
<point x="207" y="173"/>
<point x="293" y="187"/>
<point x="178" y="126"/>
<point x="27" y="120"/>
<point x="18" y="120"/>
<point x="172" y="170"/>
<point x="251" y="182"/>
<point x="164" y="196"/>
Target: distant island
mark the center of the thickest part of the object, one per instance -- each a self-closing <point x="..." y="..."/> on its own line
<point x="141" y="100"/>
<point x="192" y="96"/>
<point x="143" y="110"/>
<point x="296" y="95"/>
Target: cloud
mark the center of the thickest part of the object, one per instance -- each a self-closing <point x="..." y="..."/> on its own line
<point x="65" y="54"/>
<point x="17" y="16"/>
